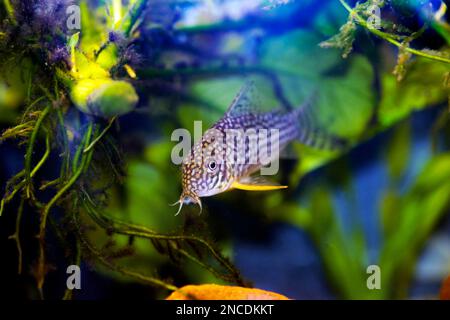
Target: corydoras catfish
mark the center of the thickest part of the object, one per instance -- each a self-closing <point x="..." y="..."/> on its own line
<point x="231" y="151"/>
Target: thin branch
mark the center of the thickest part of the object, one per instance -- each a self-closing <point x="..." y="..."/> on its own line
<point x="16" y="236"/>
<point x="10" y="10"/>
<point x="388" y="37"/>
<point x="119" y="227"/>
<point x="44" y="157"/>
<point x="30" y="149"/>
<point x="93" y="143"/>
<point x="43" y="224"/>
<point x="114" y="267"/>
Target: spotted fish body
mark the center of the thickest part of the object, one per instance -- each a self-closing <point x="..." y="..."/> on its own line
<point x="212" y="165"/>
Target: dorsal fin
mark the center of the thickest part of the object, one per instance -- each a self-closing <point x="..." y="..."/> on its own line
<point x="246" y="101"/>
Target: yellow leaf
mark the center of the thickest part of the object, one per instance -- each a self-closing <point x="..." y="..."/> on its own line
<point x="217" y="292"/>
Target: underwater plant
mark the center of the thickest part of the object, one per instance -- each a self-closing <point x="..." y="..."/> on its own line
<point x="75" y="89"/>
<point x="407" y="217"/>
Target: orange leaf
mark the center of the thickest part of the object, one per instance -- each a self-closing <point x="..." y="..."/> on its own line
<point x="217" y="292"/>
<point x="445" y="290"/>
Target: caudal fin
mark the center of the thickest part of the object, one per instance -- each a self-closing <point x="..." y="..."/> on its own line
<point x="312" y="134"/>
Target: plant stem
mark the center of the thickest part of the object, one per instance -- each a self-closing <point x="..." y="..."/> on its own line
<point x="44" y="157"/>
<point x="390" y="38"/>
<point x="10" y="196"/>
<point x="30" y="149"/>
<point x="10" y="10"/>
<point x="50" y="204"/>
<point x="31" y="105"/>
<point x="78" y="153"/>
<point x="133" y="14"/>
<point x="107" y="263"/>
<point x="68" y="294"/>
<point x="93" y="143"/>
<point x="123" y="228"/>
<point x="16" y="236"/>
<point x="66" y="161"/>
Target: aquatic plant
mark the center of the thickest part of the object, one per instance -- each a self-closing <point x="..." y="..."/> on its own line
<point x="83" y="71"/>
<point x="407" y="217"/>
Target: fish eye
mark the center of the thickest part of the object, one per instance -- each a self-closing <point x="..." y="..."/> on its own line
<point x="212" y="165"/>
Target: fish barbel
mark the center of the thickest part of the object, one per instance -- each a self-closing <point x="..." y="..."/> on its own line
<point x="231" y="150"/>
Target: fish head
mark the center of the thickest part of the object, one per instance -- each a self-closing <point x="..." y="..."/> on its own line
<point x="204" y="171"/>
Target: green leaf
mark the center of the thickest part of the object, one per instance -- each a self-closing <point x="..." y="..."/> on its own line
<point x="418" y="213"/>
<point x="422" y="87"/>
<point x="398" y="150"/>
<point x="73" y="41"/>
<point x="298" y="54"/>
<point x="345" y="98"/>
<point x="390" y="212"/>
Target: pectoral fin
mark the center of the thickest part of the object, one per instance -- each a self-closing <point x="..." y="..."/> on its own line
<point x="256" y="184"/>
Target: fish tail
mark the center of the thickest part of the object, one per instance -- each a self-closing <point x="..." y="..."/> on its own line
<point x="311" y="134"/>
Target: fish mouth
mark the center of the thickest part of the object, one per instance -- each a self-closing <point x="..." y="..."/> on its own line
<point x="188" y="198"/>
